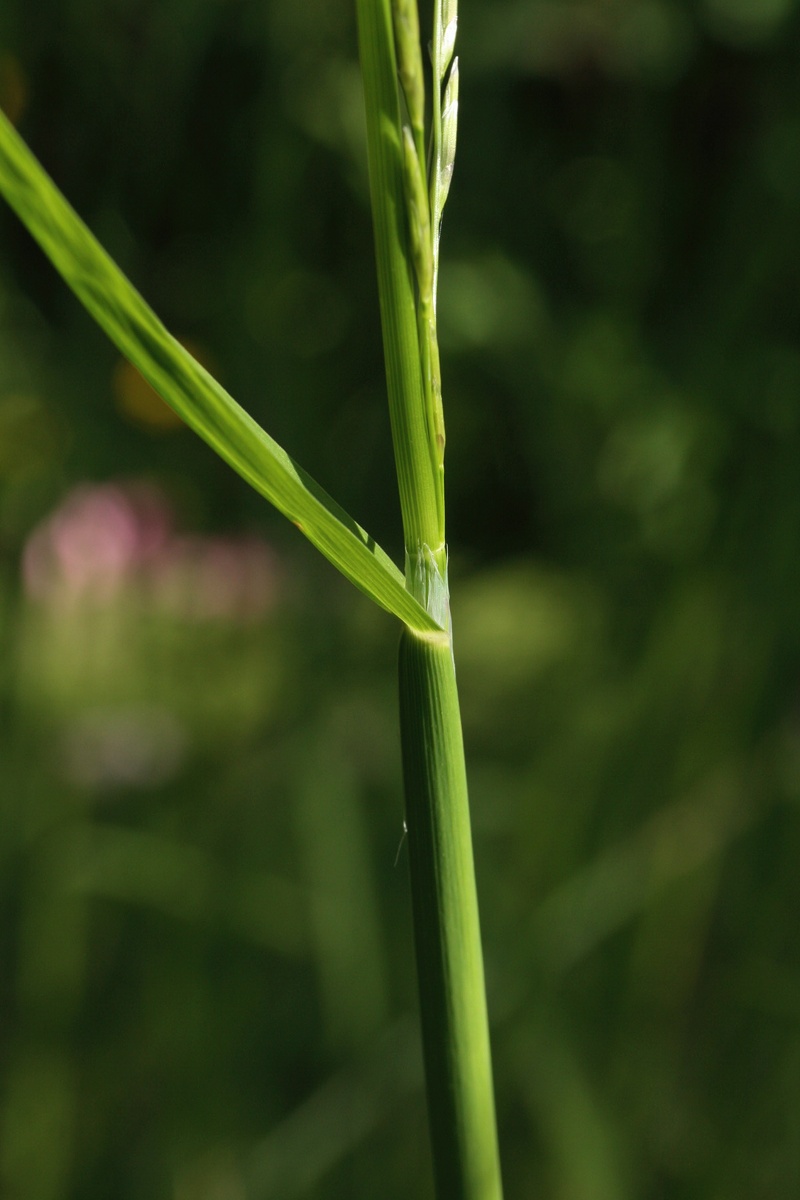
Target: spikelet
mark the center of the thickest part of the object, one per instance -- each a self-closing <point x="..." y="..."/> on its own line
<point x="449" y="30"/>
<point x="409" y="61"/>
<point x="449" y="129"/>
<point x="418" y="216"/>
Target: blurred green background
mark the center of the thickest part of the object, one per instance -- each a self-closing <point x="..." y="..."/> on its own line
<point x="207" y="988"/>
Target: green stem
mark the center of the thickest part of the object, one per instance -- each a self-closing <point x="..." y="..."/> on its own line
<point x="449" y="959"/>
<point x="447" y="932"/>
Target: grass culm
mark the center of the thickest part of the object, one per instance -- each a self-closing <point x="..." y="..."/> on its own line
<point x="411" y="130"/>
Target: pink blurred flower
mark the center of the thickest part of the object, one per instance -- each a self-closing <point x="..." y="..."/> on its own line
<point x="106" y="538"/>
<point x="94" y="541"/>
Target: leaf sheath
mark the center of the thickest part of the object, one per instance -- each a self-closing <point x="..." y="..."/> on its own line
<point x="447" y="933"/>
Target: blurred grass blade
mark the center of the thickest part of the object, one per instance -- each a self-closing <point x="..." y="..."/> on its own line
<point x="189" y="389"/>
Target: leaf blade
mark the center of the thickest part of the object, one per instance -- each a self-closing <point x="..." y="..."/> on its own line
<point x="189" y="389"/>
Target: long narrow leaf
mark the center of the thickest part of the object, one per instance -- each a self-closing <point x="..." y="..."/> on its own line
<point x="189" y="389"/>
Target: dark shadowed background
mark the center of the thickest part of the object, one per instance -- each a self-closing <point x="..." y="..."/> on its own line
<point x="207" y="988"/>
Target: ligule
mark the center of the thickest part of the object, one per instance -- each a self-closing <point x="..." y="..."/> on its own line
<point x="426" y="571"/>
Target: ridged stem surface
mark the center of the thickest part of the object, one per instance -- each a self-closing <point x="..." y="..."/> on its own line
<point x="447" y="932"/>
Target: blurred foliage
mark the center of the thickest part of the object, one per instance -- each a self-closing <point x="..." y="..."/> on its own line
<point x="206" y="983"/>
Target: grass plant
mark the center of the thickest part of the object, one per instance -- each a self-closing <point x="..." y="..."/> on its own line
<point x="411" y="164"/>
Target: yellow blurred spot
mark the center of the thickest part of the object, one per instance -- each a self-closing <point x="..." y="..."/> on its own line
<point x="13" y="88"/>
<point x="140" y="402"/>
